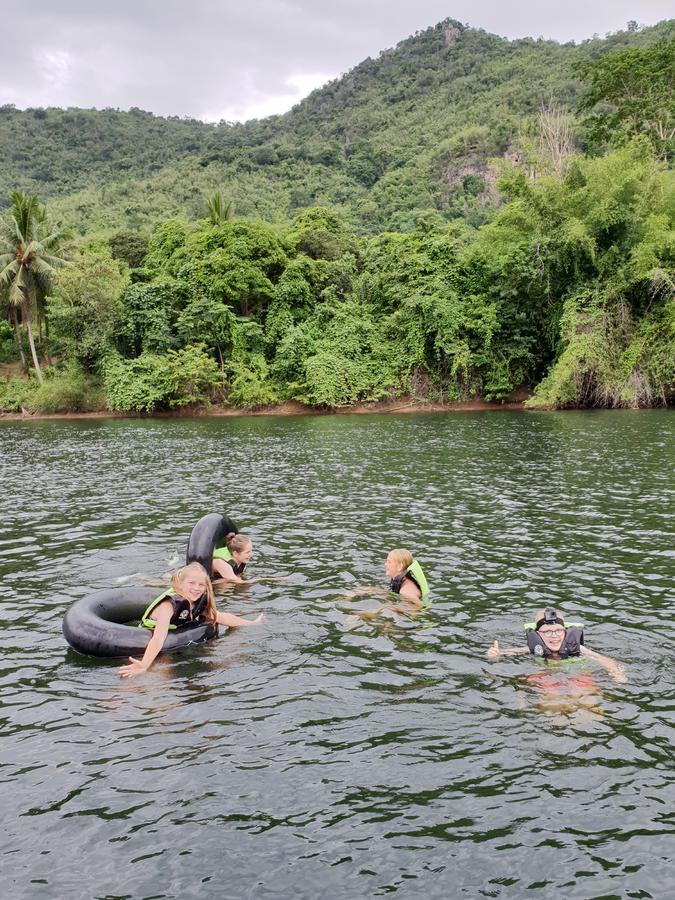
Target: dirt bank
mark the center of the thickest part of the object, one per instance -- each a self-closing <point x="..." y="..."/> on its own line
<point x="290" y="408"/>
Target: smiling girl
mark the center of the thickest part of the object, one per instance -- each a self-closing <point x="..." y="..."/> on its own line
<point x="230" y="561"/>
<point x="190" y="602"/>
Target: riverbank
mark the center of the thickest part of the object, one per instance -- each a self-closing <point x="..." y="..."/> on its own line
<point x="288" y="408"/>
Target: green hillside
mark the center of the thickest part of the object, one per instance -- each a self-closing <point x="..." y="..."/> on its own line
<point x="464" y="217"/>
<point x="409" y="131"/>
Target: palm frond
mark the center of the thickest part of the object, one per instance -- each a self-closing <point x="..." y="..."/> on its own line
<point x="18" y="296"/>
<point x="51" y="239"/>
<point x="55" y="262"/>
<point x="40" y="268"/>
<point x="25" y="210"/>
<point x="8" y="273"/>
<point x="31" y="247"/>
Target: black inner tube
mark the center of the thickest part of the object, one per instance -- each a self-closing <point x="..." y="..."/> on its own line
<point x="97" y="625"/>
<point x="208" y="534"/>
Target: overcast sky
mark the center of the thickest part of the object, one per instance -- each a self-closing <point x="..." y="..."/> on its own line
<point x="216" y="59"/>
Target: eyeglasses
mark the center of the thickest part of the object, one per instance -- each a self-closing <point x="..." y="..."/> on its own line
<point x="555" y="633"/>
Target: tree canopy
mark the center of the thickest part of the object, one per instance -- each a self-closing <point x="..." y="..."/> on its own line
<point x="437" y="224"/>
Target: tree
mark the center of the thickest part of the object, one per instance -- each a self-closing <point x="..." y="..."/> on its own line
<point x="130" y="246"/>
<point x="85" y="311"/>
<point x="638" y="85"/>
<point x="28" y="262"/>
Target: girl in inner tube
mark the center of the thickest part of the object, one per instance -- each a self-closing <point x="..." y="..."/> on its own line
<point x="191" y="601"/>
<point x="551" y="639"/>
<point x="229" y="562"/>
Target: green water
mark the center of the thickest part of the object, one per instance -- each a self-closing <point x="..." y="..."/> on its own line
<point x="308" y="758"/>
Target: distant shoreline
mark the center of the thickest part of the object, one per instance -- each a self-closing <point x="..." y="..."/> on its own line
<point x="289" y="408"/>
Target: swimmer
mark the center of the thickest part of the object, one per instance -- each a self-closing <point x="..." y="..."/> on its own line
<point x="406" y="579"/>
<point x="549" y="638"/>
<point x="229" y="562"/>
<point x="190" y="602"/>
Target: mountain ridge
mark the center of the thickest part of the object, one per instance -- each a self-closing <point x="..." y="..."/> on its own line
<point x="376" y="144"/>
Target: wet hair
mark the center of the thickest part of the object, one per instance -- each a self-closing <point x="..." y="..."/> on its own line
<point x="236" y="542"/>
<point x="198" y="569"/>
<point x="402" y="556"/>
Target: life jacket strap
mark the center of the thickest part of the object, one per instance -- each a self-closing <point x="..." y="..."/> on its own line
<point x="146" y="621"/>
<point x="415" y="571"/>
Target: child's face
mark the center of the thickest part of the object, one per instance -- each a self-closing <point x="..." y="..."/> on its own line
<point x="392" y="566"/>
<point x="193" y="586"/>
<point x="553" y="636"/>
<point x="245" y="555"/>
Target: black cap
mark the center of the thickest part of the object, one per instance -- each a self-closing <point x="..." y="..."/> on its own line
<point x="550" y="617"/>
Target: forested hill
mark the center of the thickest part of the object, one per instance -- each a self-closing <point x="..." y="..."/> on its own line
<point x="409" y="131"/>
<point x="52" y="152"/>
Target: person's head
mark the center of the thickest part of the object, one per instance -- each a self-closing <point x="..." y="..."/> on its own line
<point x="550" y="627"/>
<point x="191" y="582"/>
<point x="397" y="561"/>
<point x="240" y="546"/>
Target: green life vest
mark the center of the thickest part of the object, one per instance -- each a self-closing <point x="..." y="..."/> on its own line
<point x="146" y="621"/>
<point x="222" y="553"/>
<point x="418" y="576"/>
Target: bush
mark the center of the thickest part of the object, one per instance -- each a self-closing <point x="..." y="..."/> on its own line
<point x="8" y="349"/>
<point x="608" y="361"/>
<point x="15" y="394"/>
<point x="250" y="387"/>
<point x="187" y="377"/>
<point x="67" y="391"/>
<point x="334" y="380"/>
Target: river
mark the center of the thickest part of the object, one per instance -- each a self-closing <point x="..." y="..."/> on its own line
<point x="318" y="755"/>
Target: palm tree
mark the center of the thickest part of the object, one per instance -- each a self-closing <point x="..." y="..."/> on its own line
<point x="28" y="263"/>
<point x="217" y="210"/>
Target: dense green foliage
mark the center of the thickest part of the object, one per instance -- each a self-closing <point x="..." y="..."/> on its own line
<point x="411" y="130"/>
<point x="425" y="269"/>
<point x="634" y="91"/>
<point x="54" y="152"/>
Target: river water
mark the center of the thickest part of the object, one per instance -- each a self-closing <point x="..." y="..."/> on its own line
<point x="319" y="755"/>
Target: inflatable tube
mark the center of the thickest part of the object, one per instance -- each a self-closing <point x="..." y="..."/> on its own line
<point x="96" y="625"/>
<point x="208" y="533"/>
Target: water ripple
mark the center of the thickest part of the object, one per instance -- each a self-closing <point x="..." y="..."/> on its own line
<point x="312" y="758"/>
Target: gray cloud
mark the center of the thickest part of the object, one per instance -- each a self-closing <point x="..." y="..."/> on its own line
<point x="235" y="60"/>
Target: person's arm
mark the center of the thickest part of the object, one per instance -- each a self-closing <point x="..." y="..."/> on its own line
<point x="235" y="621"/>
<point x="615" y="670"/>
<point x="366" y="591"/>
<point x="495" y="651"/>
<point x="162" y="616"/>
<point x="224" y="571"/>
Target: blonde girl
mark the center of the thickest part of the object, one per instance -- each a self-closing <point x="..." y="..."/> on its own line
<point x="190" y="601"/>
<point x="406" y="577"/>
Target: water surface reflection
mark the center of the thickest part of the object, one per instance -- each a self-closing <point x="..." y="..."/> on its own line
<point x="308" y="759"/>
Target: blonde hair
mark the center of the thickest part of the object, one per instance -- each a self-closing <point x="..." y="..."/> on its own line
<point x="403" y="557"/>
<point x="236" y="542"/>
<point x="180" y="576"/>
